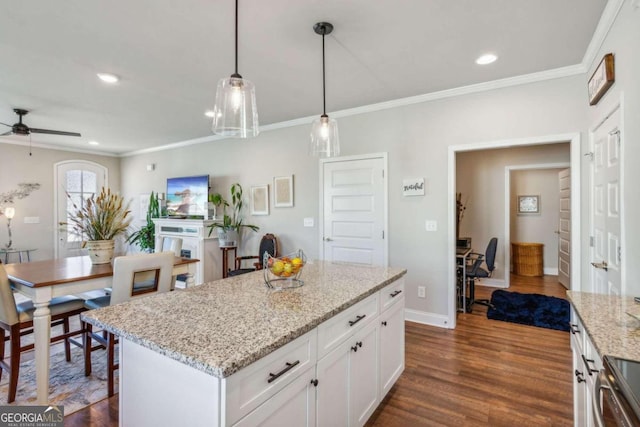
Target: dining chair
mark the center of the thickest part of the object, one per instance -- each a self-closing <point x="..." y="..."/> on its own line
<point x="173" y="244"/>
<point x="17" y="319"/>
<point x="127" y="271"/>
<point x="268" y="244"/>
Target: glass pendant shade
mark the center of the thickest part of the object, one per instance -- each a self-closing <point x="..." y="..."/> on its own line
<point x="324" y="137"/>
<point x="235" y="113"/>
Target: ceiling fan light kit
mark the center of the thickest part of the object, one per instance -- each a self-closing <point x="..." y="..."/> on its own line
<point x="235" y="113"/>
<point x="324" y="130"/>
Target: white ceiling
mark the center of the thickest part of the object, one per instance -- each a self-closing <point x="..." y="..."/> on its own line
<point x="170" y="55"/>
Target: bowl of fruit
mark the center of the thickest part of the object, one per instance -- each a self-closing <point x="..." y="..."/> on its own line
<point x="284" y="272"/>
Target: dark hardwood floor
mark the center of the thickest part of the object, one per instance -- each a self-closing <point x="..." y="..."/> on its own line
<point x="483" y="373"/>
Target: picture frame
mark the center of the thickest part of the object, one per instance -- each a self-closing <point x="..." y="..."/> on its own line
<point x="528" y="204"/>
<point x="601" y="79"/>
<point x="144" y="206"/>
<point x="260" y="200"/>
<point x="283" y="191"/>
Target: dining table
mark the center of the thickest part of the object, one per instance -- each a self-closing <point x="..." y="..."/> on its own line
<point x="43" y="280"/>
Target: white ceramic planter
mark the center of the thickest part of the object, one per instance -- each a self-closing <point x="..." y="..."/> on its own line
<point x="100" y="251"/>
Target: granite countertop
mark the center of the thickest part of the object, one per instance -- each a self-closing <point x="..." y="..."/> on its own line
<point x="605" y="317"/>
<point x="222" y="326"/>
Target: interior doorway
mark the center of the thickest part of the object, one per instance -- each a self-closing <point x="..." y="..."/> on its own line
<point x="574" y="153"/>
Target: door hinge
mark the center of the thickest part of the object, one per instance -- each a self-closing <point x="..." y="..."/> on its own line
<point x="383" y="234"/>
<point x="383" y="173"/>
<point x="619" y="254"/>
<point x="591" y="243"/>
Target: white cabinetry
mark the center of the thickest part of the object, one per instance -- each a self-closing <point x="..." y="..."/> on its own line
<point x="586" y="365"/>
<point x="391" y="346"/>
<point x="196" y="243"/>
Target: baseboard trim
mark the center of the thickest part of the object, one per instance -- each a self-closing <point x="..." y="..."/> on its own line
<point x="550" y="271"/>
<point x="426" y="318"/>
<point x="493" y="283"/>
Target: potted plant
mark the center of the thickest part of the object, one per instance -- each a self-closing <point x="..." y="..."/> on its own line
<point x="215" y="201"/>
<point x="98" y="221"/>
<point x="231" y="225"/>
<point x="145" y="237"/>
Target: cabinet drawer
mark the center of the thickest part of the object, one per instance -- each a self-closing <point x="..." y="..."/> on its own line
<point x="577" y="331"/>
<point x="253" y="385"/>
<point x="335" y="330"/>
<point x="391" y="293"/>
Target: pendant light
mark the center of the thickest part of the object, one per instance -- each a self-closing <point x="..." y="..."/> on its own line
<point x="235" y="113"/>
<point x="324" y="131"/>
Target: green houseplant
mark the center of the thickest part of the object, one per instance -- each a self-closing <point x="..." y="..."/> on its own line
<point x="98" y="221"/>
<point x="145" y="237"/>
<point x="231" y="225"/>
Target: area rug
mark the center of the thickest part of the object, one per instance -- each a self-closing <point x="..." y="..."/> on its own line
<point x="530" y="309"/>
<point x="68" y="385"/>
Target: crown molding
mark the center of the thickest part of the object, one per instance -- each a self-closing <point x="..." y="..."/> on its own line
<point x="57" y="147"/>
<point x="608" y="17"/>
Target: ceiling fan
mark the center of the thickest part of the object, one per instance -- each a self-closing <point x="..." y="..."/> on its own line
<point x="22" y="129"/>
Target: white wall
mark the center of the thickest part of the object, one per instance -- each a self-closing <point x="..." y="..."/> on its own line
<point x="540" y="227"/>
<point x="18" y="167"/>
<point x="416" y="137"/>
<point x="480" y="177"/>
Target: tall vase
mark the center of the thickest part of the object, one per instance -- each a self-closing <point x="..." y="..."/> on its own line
<point x="100" y="251"/>
<point x="227" y="238"/>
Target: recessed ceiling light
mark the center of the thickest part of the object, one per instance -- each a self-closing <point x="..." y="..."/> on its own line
<point x="94" y="143"/>
<point x="486" y="59"/>
<point x="108" y="78"/>
<point x="209" y="113"/>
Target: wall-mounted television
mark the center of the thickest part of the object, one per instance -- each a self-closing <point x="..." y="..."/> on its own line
<point x="187" y="196"/>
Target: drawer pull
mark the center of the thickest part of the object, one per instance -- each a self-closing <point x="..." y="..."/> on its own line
<point x="355" y="347"/>
<point x="314" y="382"/>
<point x="574" y="328"/>
<point x="273" y="377"/>
<point x="580" y="377"/>
<point x="384" y="323"/>
<point x="358" y="318"/>
<point x="586" y="362"/>
<point x="396" y="293"/>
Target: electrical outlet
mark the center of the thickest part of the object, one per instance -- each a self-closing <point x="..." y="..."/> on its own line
<point x="431" y="225"/>
<point x="421" y="292"/>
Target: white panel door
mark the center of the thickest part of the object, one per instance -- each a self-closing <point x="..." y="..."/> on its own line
<point x="564" y="229"/>
<point x="354" y="207"/>
<point x="79" y="180"/>
<point x="606" y="250"/>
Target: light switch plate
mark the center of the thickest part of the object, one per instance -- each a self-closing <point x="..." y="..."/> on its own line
<point x="32" y="220"/>
<point x="308" y="222"/>
<point x="431" y="225"/>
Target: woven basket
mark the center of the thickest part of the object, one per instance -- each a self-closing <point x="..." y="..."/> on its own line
<point x="527" y="259"/>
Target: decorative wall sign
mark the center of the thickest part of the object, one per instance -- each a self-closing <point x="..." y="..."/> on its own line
<point x="260" y="200"/>
<point x="283" y="191"/>
<point x="528" y="204"/>
<point x="602" y="79"/>
<point x="413" y="187"/>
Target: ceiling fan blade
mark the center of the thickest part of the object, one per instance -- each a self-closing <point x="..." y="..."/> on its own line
<point x="53" y="132"/>
<point x="7" y="133"/>
<point x="6" y="124"/>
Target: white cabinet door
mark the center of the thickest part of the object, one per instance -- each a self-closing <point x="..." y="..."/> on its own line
<point x="364" y="375"/>
<point x="391" y="346"/>
<point x="333" y="387"/>
<point x="580" y="405"/>
<point x="294" y="405"/>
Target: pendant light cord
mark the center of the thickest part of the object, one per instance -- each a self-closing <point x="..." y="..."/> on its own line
<point x="324" y="89"/>
<point x="236" y="73"/>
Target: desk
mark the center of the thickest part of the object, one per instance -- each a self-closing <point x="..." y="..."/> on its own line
<point x="225" y="260"/>
<point x="43" y="280"/>
<point x="6" y="253"/>
<point x="461" y="257"/>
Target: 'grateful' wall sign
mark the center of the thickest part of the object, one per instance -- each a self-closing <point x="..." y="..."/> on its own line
<point x="602" y="79"/>
<point x="413" y="187"/>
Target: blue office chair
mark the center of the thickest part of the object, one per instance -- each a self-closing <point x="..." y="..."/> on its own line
<point x="477" y="272"/>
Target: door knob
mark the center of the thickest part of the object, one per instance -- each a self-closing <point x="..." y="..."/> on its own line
<point x="602" y="265"/>
<point x="328" y="239"/>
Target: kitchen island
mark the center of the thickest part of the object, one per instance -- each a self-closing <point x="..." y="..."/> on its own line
<point x="233" y="352"/>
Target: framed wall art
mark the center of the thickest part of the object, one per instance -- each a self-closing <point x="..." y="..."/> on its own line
<point x="260" y="200"/>
<point x="528" y="204"/>
<point x="283" y="191"/>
